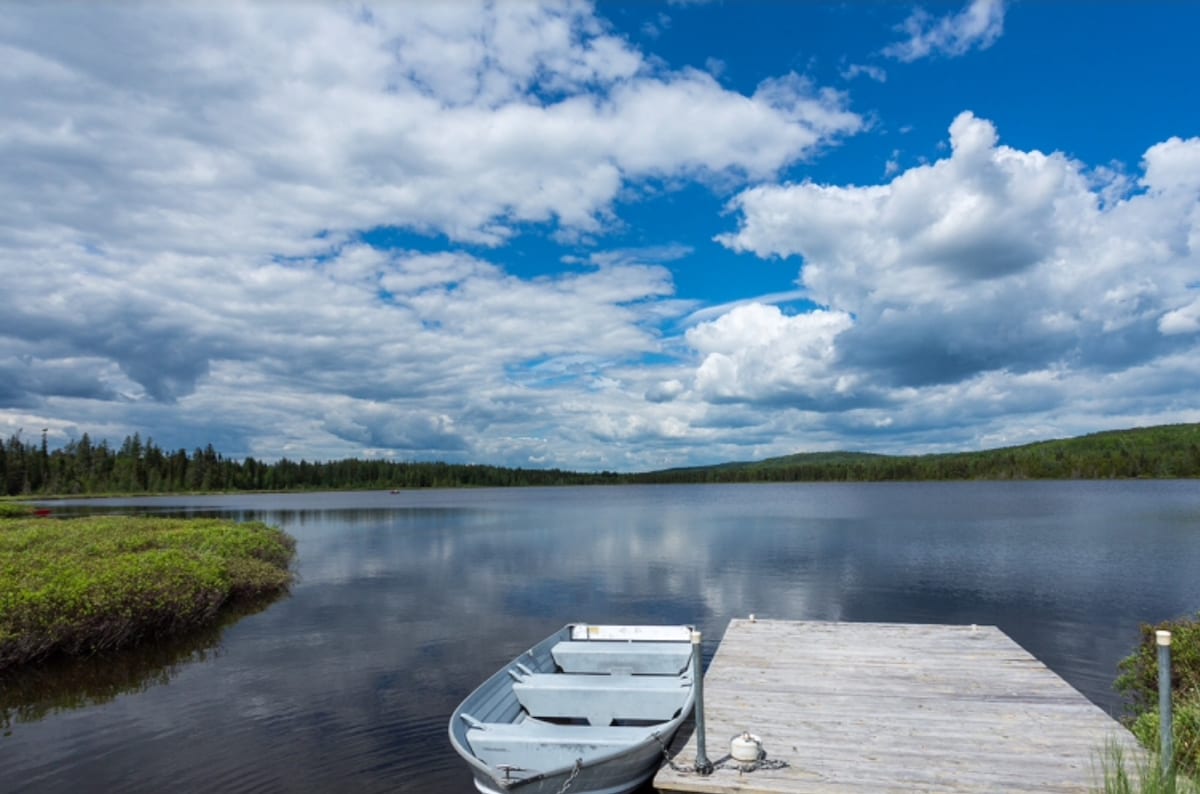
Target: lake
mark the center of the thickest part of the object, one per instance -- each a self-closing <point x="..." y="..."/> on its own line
<point x="405" y="602"/>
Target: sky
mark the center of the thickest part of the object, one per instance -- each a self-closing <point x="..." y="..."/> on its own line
<point x="612" y="236"/>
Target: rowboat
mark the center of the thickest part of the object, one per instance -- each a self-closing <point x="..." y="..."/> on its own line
<point x="588" y="710"/>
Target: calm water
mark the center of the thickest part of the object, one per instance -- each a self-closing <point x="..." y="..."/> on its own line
<point x="406" y="601"/>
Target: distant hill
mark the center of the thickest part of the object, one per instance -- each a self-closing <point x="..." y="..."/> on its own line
<point x="1166" y="451"/>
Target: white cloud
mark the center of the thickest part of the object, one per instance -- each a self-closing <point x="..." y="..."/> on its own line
<point x="181" y="243"/>
<point x="892" y="166"/>
<point x="978" y="25"/>
<point x="991" y="266"/>
<point x="1184" y="320"/>
<point x="1173" y="165"/>
<point x="756" y="352"/>
<point x="243" y="129"/>
<point x="179" y="217"/>
<point x="876" y="73"/>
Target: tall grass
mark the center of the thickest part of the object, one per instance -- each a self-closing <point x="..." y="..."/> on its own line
<point x="86" y="585"/>
<point x="1141" y="775"/>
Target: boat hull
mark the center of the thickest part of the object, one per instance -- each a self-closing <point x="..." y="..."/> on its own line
<point x="482" y="725"/>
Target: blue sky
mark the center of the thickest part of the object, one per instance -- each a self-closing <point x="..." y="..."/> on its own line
<point x="614" y="236"/>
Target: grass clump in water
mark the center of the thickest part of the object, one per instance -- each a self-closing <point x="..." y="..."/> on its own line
<point x="86" y="585"/>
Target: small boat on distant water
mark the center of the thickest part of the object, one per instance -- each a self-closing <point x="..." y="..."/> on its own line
<point x="588" y="709"/>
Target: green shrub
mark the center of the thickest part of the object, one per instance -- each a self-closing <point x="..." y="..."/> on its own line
<point x="1139" y="683"/>
<point x="1185" y="726"/>
<point x="1139" y="671"/>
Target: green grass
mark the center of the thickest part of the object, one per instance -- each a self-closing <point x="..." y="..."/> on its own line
<point x="1143" y="775"/>
<point x="87" y="585"/>
<point x="15" y="510"/>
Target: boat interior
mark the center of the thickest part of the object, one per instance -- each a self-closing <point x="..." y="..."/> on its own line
<point x="585" y="693"/>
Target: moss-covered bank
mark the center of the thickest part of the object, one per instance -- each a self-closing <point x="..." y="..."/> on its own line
<point x="85" y="585"/>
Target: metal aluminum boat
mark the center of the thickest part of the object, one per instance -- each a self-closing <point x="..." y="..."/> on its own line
<point x="588" y="710"/>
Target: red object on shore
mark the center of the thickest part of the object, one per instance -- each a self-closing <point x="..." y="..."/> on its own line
<point x="42" y="512"/>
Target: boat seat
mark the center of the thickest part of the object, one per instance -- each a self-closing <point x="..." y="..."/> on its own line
<point x="538" y="746"/>
<point x="600" y="699"/>
<point x="654" y="658"/>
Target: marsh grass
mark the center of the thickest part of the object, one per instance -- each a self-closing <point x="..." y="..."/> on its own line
<point x="1120" y="774"/>
<point x="14" y="509"/>
<point x="89" y="585"/>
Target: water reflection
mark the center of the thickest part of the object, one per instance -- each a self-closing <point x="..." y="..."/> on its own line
<point x="405" y="602"/>
<point x="33" y="693"/>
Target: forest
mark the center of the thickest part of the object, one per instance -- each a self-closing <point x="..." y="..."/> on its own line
<point x="84" y="467"/>
<point x="137" y="466"/>
<point x="1163" y="452"/>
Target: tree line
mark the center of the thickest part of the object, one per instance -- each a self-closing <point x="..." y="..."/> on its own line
<point x="1165" y="451"/>
<point x="83" y="467"/>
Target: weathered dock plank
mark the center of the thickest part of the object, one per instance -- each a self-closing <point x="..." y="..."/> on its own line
<point x="893" y="707"/>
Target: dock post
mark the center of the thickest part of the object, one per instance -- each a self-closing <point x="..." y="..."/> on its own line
<point x="1165" y="728"/>
<point x="703" y="765"/>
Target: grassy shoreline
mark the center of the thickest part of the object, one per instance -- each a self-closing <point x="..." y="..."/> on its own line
<point x="81" y="586"/>
<point x="1138" y="682"/>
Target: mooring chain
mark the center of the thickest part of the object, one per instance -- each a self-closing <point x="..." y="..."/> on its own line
<point x="571" y="778"/>
<point x="762" y="762"/>
<point x="725" y="762"/>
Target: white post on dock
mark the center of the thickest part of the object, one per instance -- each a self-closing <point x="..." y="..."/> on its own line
<point x="1165" y="728"/>
<point x="703" y="765"/>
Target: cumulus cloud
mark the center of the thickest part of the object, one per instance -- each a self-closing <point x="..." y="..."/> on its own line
<point x="1173" y="165"/>
<point x="992" y="269"/>
<point x="180" y="217"/>
<point x="978" y="25"/>
<point x="756" y="352"/>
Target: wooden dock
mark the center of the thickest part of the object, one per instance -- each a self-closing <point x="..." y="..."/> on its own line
<point x="858" y="707"/>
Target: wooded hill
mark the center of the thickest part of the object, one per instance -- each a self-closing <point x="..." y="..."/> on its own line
<point x="1166" y="451"/>
<point x="82" y="467"/>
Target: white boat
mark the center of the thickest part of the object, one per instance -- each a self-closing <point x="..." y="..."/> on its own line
<point x="588" y="710"/>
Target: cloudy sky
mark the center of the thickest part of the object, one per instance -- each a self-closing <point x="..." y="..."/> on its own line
<point x="611" y="236"/>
